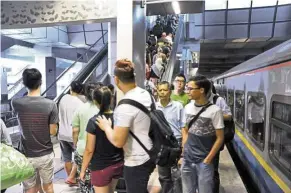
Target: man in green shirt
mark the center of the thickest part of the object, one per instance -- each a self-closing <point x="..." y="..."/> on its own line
<point x="179" y="94"/>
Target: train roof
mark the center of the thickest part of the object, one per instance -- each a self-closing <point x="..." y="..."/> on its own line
<point x="275" y="55"/>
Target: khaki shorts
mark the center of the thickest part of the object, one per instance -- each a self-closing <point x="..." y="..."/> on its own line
<point x="44" y="167"/>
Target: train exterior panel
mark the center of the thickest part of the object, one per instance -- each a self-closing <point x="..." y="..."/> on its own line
<point x="264" y="147"/>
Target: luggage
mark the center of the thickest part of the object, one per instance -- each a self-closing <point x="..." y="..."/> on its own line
<point x="15" y="167"/>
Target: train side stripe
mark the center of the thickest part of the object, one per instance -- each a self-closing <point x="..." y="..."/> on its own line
<point x="261" y="160"/>
<point x="268" y="68"/>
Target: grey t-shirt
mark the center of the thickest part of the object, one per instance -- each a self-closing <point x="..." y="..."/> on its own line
<point x="35" y="114"/>
<point x="202" y="134"/>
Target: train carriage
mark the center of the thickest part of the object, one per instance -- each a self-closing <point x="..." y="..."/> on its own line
<point x="258" y="92"/>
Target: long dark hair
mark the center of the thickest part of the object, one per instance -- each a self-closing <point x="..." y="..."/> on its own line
<point x="89" y="88"/>
<point x="102" y="96"/>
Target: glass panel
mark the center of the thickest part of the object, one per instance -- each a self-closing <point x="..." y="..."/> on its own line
<point x="282" y="112"/>
<point x="67" y="73"/>
<point x="282" y="2"/>
<point x="221" y="90"/>
<point x="215" y="4"/>
<point x="256" y="117"/>
<point x="230" y="100"/>
<point x="232" y="4"/>
<point x="280" y="146"/>
<point x="240" y="108"/>
<point x="264" y="3"/>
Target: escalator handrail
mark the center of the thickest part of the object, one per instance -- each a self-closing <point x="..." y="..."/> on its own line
<point x="83" y="74"/>
<point x="15" y="85"/>
<point x="20" y="70"/>
<point x="71" y="66"/>
<point x="93" y="72"/>
<point x="168" y="75"/>
<point x="20" y="79"/>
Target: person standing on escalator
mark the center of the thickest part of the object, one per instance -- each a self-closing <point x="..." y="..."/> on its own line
<point x="68" y="104"/>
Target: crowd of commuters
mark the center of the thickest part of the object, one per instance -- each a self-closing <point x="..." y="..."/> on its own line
<point x="158" y="49"/>
<point x="96" y="135"/>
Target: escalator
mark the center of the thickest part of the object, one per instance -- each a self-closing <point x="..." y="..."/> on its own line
<point x="17" y="86"/>
<point x="173" y="66"/>
<point x="94" y="64"/>
<point x="97" y="64"/>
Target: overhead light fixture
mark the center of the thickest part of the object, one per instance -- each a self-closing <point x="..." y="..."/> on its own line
<point x="176" y="7"/>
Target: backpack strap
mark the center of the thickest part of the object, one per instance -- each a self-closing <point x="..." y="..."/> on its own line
<point x="215" y="97"/>
<point x="142" y="108"/>
<point x="198" y="114"/>
<point x="135" y="104"/>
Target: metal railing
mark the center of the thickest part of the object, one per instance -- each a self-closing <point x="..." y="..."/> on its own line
<point x="88" y="70"/>
<point x="172" y="67"/>
<point x="72" y="65"/>
<point x="17" y="86"/>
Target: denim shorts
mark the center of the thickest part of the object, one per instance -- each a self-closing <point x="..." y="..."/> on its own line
<point x="67" y="149"/>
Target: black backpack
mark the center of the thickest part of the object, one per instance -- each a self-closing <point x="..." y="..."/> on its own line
<point x="228" y="126"/>
<point x="166" y="149"/>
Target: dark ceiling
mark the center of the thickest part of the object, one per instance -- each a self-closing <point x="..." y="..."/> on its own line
<point x="218" y="57"/>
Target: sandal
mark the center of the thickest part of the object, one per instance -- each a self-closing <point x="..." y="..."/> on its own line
<point x="70" y="183"/>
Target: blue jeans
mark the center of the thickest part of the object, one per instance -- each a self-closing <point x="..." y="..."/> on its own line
<point x="197" y="177"/>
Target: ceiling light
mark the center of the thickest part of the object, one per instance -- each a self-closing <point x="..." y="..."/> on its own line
<point x="176" y="7"/>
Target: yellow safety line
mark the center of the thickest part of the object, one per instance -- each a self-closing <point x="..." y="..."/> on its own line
<point x="261" y="160"/>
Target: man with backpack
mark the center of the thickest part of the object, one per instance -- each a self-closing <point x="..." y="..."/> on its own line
<point x="142" y="131"/>
<point x="138" y="166"/>
<point x="228" y="122"/>
<point x="202" y="139"/>
<point x="174" y="113"/>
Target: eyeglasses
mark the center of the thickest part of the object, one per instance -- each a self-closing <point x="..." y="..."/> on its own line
<point x="190" y="88"/>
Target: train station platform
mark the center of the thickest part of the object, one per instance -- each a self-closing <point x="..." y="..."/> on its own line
<point x="230" y="180"/>
<point x="229" y="177"/>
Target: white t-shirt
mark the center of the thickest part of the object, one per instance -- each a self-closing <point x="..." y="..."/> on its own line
<point x="139" y="123"/>
<point x="67" y="106"/>
<point x="221" y="103"/>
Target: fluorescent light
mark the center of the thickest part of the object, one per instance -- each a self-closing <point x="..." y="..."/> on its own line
<point x="176" y="7"/>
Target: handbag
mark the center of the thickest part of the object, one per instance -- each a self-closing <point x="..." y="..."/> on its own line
<point x="15" y="167"/>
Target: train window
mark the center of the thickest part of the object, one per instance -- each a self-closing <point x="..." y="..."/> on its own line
<point x="240" y="108"/>
<point x="222" y="92"/>
<point x="282" y="112"/>
<point x="256" y="117"/>
<point x="280" y="133"/>
<point x="230" y="100"/>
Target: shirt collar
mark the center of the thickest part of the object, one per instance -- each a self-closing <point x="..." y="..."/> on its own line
<point x="169" y="104"/>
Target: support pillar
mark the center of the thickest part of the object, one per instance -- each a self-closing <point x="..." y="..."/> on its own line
<point x="131" y="37"/>
<point x="112" y="48"/>
<point x="51" y="75"/>
<point x="4" y="90"/>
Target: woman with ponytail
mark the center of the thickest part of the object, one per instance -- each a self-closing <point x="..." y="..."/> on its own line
<point x="106" y="160"/>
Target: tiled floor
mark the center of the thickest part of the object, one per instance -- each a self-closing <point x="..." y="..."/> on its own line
<point x="58" y="167"/>
<point x="230" y="179"/>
